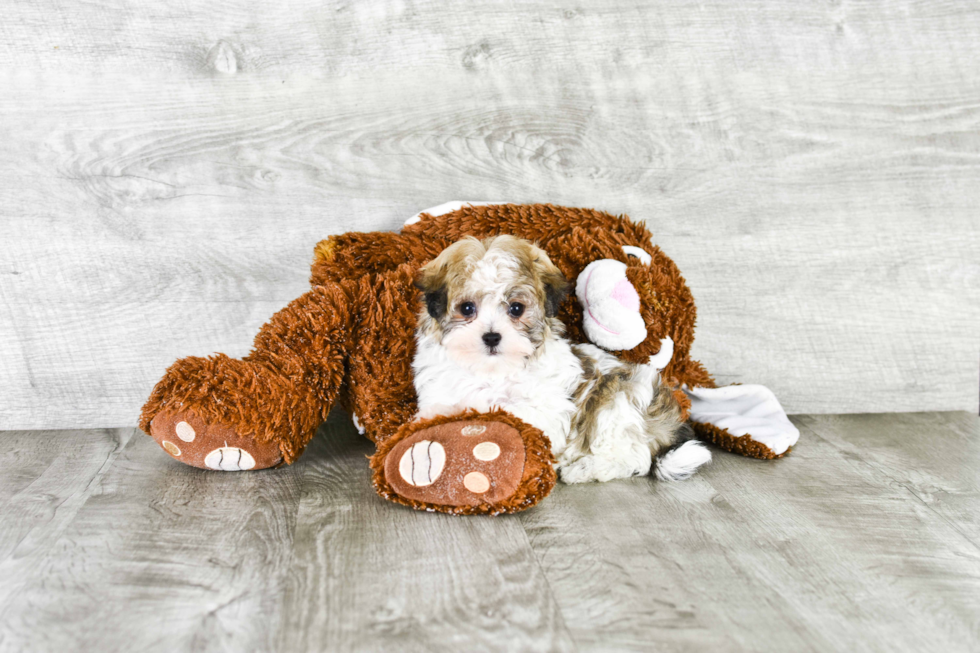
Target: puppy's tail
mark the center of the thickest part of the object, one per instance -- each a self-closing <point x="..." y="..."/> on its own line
<point x="684" y="455"/>
<point x="681" y="461"/>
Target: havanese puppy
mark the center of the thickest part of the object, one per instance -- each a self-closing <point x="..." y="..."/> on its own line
<point x="489" y="338"/>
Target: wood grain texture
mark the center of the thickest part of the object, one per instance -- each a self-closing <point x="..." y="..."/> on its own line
<point x="47" y="477"/>
<point x="811" y="169"/>
<point x="371" y="576"/>
<point x="942" y="472"/>
<point x="864" y="539"/>
<point x="159" y="558"/>
<point x="823" y="550"/>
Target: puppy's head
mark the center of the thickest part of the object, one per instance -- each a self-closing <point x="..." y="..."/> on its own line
<point x="492" y="303"/>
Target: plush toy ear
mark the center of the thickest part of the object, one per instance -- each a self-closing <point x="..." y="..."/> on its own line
<point x="436" y="295"/>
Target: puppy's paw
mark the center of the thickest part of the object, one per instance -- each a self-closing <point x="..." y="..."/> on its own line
<point x="591" y="468"/>
<point x="606" y="466"/>
<point x="579" y="471"/>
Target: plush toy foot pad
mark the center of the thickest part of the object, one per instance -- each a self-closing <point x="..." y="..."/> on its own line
<point x="191" y="440"/>
<point x="460" y="464"/>
<point x="474" y="463"/>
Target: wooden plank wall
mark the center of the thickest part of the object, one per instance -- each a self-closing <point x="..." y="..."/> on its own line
<point x="814" y="168"/>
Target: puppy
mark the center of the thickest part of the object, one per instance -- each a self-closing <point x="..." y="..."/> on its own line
<point x="489" y="338"/>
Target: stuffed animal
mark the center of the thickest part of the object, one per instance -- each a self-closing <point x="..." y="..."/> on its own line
<point x="351" y="339"/>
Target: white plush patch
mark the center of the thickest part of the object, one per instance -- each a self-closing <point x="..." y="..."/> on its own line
<point x="610" y="306"/>
<point x="229" y="459"/>
<point x="185" y="431"/>
<point x="661" y="359"/>
<point x="422" y="464"/>
<point x="357" y="424"/>
<point x="639" y="253"/>
<point x="486" y="451"/>
<point x="751" y="410"/>
<point x="448" y="207"/>
<point x="171" y="448"/>
<point x="473" y="429"/>
<point x="680" y="464"/>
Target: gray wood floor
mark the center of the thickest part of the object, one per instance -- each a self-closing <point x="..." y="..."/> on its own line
<point x="865" y="538"/>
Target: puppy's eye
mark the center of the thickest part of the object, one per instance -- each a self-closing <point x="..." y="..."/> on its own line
<point x="467" y="309"/>
<point x="516" y="309"/>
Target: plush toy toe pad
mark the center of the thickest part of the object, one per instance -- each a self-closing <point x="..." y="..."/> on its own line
<point x="191" y="440"/>
<point x="472" y="463"/>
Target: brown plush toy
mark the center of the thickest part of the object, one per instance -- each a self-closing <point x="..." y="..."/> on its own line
<point x="351" y="339"/>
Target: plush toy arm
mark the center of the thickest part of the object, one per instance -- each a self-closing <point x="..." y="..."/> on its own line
<point x="447" y="207"/>
<point x="537" y="222"/>
<point x="226" y="413"/>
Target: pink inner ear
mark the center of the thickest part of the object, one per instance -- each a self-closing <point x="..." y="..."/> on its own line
<point x="624" y="293"/>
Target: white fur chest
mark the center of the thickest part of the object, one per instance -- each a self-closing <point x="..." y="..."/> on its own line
<point x="540" y="394"/>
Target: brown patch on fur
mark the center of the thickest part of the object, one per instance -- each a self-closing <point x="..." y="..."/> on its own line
<point x="664" y="418"/>
<point x="594" y="394"/>
<point x="452" y="267"/>
<point x="446" y="282"/>
<point x="444" y="279"/>
<point x="590" y="376"/>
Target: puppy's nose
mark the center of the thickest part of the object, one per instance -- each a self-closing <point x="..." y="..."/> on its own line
<point x="491" y="338"/>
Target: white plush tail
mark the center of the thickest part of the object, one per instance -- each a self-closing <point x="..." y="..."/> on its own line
<point x="680" y="464"/>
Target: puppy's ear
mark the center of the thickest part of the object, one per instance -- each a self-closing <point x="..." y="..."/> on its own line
<point x="552" y="281"/>
<point x="555" y="290"/>
<point x="433" y="284"/>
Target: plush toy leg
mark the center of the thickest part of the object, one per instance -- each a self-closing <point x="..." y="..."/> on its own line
<point x="474" y="463"/>
<point x="228" y="414"/>
<point x="745" y="419"/>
